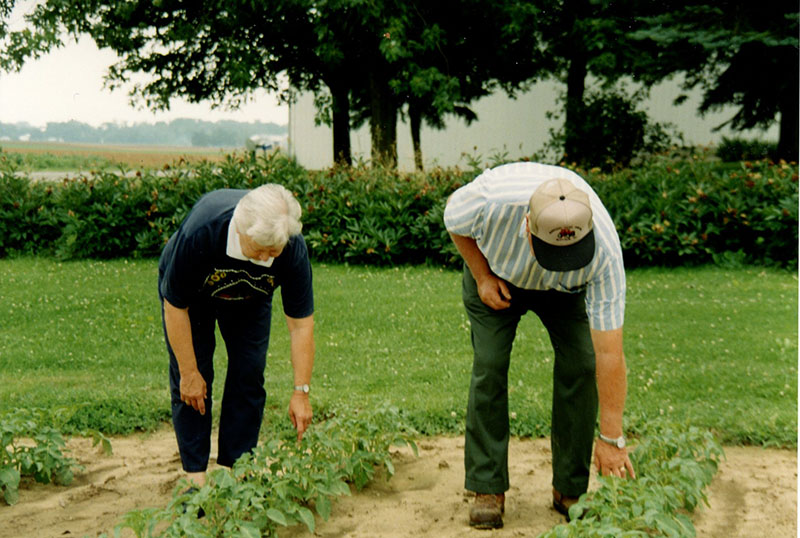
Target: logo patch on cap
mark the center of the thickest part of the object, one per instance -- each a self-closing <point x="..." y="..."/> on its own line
<point x="560" y="215"/>
<point x="565" y="234"/>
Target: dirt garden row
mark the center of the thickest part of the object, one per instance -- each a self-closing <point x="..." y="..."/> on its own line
<point x="753" y="494"/>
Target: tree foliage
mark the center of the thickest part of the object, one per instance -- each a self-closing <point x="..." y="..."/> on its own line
<point x="5" y="11"/>
<point x="613" y="130"/>
<point x="372" y="60"/>
<point x="593" y="38"/>
<point x="445" y="55"/>
<point x="739" y="53"/>
<point x="177" y="132"/>
<point x="205" y="49"/>
<point x="365" y="60"/>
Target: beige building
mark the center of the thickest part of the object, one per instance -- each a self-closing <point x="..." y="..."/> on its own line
<point x="516" y="128"/>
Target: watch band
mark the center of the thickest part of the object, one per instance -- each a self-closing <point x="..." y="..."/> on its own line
<point x="618" y="442"/>
<point x="302" y="388"/>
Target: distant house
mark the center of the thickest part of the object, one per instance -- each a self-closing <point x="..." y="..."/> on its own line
<point x="517" y="128"/>
<point x="264" y="143"/>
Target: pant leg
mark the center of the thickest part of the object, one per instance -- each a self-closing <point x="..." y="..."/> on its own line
<point x="245" y="328"/>
<point x="487" y="430"/>
<point x="193" y="430"/>
<point x="574" y="413"/>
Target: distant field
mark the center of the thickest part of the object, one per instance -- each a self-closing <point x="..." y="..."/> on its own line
<point x="34" y="156"/>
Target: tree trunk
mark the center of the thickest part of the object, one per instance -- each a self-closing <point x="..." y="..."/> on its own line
<point x="415" y="118"/>
<point x="576" y="86"/>
<point x="788" y="139"/>
<point x="577" y="10"/>
<point x="383" y="121"/>
<point x="340" y="98"/>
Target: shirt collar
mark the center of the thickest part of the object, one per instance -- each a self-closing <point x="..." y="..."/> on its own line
<point x="234" y="248"/>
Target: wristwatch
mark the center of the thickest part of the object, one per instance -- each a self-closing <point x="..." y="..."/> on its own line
<point x="302" y="388"/>
<point x="618" y="442"/>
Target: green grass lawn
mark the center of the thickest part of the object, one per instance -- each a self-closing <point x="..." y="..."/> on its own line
<point x="713" y="347"/>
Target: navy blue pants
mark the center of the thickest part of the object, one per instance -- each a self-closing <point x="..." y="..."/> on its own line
<point x="244" y="326"/>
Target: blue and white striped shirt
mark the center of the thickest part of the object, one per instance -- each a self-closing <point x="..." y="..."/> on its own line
<point x="492" y="208"/>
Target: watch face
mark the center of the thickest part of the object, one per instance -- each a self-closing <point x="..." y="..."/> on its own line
<point x="621" y="442"/>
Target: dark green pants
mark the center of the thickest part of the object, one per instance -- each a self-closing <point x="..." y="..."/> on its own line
<point x="574" y="411"/>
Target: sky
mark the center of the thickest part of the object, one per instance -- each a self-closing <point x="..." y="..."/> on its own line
<point x="67" y="84"/>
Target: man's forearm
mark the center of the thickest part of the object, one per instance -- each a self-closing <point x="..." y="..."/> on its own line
<point x="612" y="384"/>
<point x="473" y="257"/>
<point x="611" y="391"/>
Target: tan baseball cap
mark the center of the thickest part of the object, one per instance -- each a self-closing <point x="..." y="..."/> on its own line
<point x="560" y="219"/>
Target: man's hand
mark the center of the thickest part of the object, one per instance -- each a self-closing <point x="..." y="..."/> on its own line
<point x="193" y="391"/>
<point x="612" y="461"/>
<point x="300" y="413"/>
<point x="494" y="293"/>
<point x="492" y="290"/>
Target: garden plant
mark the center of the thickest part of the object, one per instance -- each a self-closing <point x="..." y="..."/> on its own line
<point x="30" y="448"/>
<point x="281" y="480"/>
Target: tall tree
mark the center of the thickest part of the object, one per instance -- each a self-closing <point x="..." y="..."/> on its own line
<point x="210" y="50"/>
<point x="591" y="38"/>
<point x="739" y="53"/>
<point x="365" y="60"/>
<point x="444" y="55"/>
<point x="334" y="53"/>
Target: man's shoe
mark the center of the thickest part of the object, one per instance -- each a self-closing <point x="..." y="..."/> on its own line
<point x="487" y="511"/>
<point x="562" y="503"/>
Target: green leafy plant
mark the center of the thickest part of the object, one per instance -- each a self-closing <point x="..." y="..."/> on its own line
<point x="613" y="131"/>
<point x="691" y="211"/>
<point x="740" y="149"/>
<point x="671" y="209"/>
<point x="674" y="464"/>
<point x="29" y="215"/>
<point x="282" y="482"/>
<point x="30" y="449"/>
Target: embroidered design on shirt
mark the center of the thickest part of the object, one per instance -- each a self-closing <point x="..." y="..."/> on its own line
<point x="238" y="284"/>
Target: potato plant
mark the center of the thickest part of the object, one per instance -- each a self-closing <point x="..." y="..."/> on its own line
<point x="30" y="449"/>
<point x="673" y="465"/>
<point x="282" y="482"/>
<point x="285" y="483"/>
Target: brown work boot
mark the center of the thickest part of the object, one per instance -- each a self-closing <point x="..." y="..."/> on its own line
<point x="562" y="503"/>
<point x="487" y="511"/>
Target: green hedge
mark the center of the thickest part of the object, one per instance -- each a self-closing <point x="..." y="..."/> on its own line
<point x="668" y="211"/>
<point x="699" y="211"/>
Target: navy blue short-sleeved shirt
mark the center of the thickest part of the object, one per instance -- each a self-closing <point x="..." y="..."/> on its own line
<point x="194" y="266"/>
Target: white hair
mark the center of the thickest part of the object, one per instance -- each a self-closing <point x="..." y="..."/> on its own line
<point x="269" y="215"/>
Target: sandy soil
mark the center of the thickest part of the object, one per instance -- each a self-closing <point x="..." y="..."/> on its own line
<point x="753" y="494"/>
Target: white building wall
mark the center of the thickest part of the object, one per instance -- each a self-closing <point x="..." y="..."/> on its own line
<point x="515" y="128"/>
